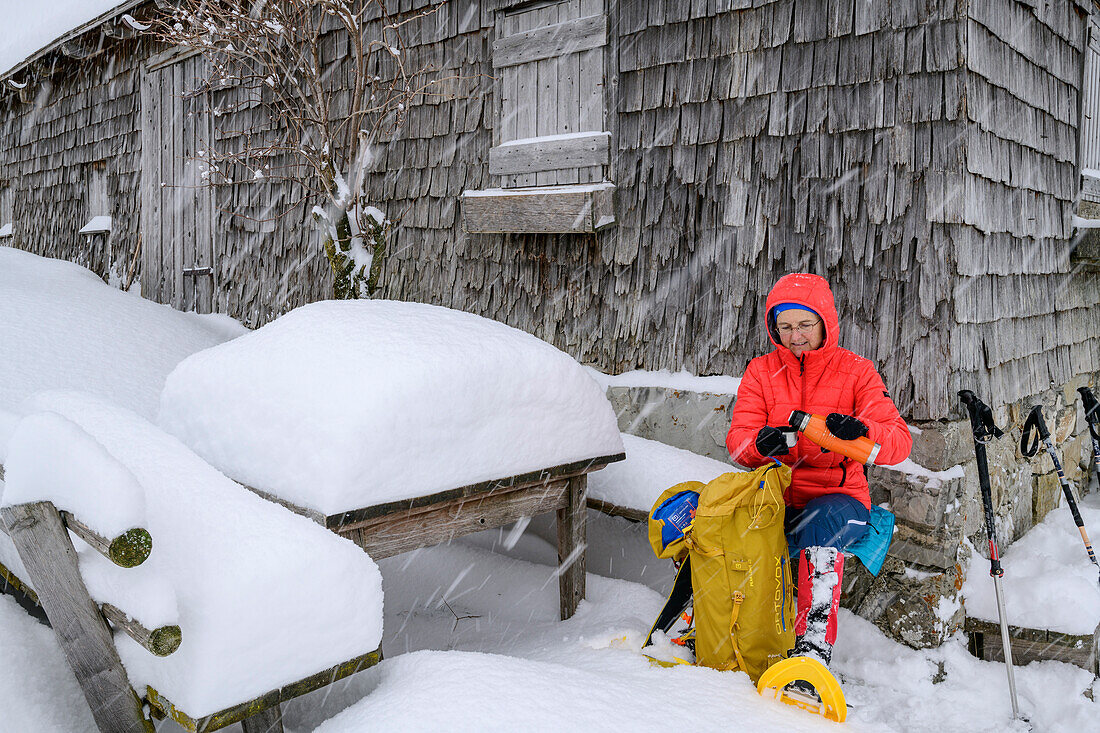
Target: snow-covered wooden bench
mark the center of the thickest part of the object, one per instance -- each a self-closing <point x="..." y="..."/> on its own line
<point x="401" y="425"/>
<point x="249" y="641"/>
<point x="83" y="629"/>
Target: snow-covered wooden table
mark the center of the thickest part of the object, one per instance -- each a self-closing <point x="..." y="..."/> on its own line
<point x="401" y="425"/>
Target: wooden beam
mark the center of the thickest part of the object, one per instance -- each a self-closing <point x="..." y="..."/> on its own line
<point x="1031" y="645"/>
<point x="572" y="546"/>
<point x="13" y="580"/>
<point x="614" y="510"/>
<point x="311" y="514"/>
<point x="23" y="594"/>
<point x="48" y="555"/>
<point x="555" y="152"/>
<point x="74" y="50"/>
<point x="410" y="529"/>
<point x="160" y="641"/>
<point x="551" y="209"/>
<point x="171" y="56"/>
<point x="128" y="550"/>
<point x="552" y="41"/>
<point x="238" y="713"/>
<point x="349" y="519"/>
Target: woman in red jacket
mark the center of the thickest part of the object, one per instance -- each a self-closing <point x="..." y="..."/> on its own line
<point x="828" y="500"/>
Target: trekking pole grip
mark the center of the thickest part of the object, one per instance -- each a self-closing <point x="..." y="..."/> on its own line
<point x="1035" y="429"/>
<point x="981" y="420"/>
<point x="981" y="417"/>
<point x="1092" y="411"/>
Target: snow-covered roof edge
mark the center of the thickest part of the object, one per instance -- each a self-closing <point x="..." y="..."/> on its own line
<point x="121" y="8"/>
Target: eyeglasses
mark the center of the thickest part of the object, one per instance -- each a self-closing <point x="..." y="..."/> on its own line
<point x="804" y="327"/>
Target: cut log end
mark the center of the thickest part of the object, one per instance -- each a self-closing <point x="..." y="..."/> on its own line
<point x="165" y="640"/>
<point x="131" y="548"/>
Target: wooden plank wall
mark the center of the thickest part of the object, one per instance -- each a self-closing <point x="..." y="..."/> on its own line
<point x="1024" y="317"/>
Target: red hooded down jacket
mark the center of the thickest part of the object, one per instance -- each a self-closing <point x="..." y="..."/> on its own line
<point x="827" y="379"/>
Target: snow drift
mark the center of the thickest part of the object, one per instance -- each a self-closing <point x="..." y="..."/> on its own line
<point x="343" y="404"/>
<point x="265" y="597"/>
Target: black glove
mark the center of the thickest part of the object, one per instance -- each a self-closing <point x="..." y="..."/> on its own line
<point x="845" y="427"/>
<point x="771" y="442"/>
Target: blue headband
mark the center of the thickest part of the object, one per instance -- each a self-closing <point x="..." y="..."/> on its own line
<point x="791" y="306"/>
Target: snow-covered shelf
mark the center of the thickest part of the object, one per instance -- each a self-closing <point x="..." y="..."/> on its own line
<point x="97" y="225"/>
<point x="5" y="230"/>
<point x="540" y="209"/>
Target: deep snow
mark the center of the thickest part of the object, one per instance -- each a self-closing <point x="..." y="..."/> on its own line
<point x="62" y="327"/>
<point x="495" y="657"/>
<point x="339" y="405"/>
<point x="265" y="597"/>
<point x="470" y="628"/>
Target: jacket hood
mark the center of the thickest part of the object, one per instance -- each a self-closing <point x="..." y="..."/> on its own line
<point x="811" y="291"/>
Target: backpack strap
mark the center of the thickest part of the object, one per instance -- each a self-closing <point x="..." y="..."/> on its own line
<point x="694" y="546"/>
<point x="738" y="599"/>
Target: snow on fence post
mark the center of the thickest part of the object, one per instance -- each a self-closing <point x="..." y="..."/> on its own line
<point x="50" y="559"/>
<point x="51" y="458"/>
<point x="161" y="641"/>
<point x="127" y="550"/>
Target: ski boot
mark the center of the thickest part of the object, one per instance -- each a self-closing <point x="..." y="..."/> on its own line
<point x="803" y="680"/>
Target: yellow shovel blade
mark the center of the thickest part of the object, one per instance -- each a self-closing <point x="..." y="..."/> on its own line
<point x="776" y="677"/>
<point x="667" y="664"/>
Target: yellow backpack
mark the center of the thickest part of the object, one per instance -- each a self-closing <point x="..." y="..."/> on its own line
<point x="740" y="572"/>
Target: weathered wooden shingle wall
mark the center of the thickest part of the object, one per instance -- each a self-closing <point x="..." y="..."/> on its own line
<point x="85" y="115"/>
<point x="750" y="142"/>
<point x="917" y="154"/>
<point x="1026" y="318"/>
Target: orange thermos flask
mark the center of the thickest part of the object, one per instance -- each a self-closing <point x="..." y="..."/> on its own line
<point x="813" y="427"/>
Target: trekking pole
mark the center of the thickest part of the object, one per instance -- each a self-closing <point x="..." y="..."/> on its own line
<point x="981" y="421"/>
<point x="1035" y="429"/>
<point x="1092" y="418"/>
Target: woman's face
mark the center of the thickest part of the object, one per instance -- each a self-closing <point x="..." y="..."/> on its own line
<point x="800" y="330"/>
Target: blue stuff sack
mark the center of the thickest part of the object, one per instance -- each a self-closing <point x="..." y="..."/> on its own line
<point x="675" y="515"/>
<point x="872" y="547"/>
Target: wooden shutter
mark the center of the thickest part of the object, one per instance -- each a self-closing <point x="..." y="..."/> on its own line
<point x="1090" y="117"/>
<point x="7" y="210"/>
<point x="550" y="61"/>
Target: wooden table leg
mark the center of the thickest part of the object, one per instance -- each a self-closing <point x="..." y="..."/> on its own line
<point x="572" y="545"/>
<point x="48" y="555"/>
